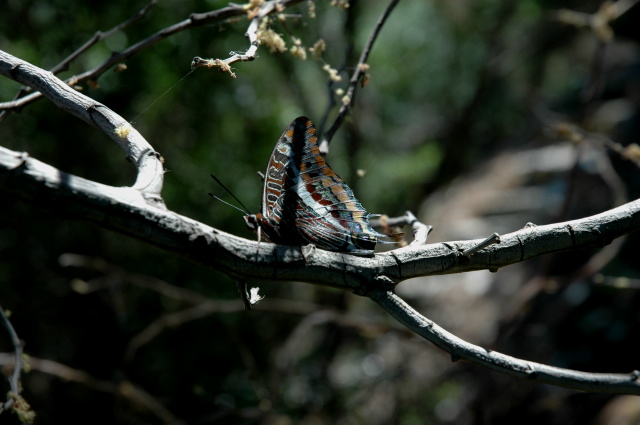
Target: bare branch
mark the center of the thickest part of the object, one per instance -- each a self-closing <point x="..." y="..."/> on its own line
<point x="177" y="318"/>
<point x="128" y="211"/>
<point x="224" y="64"/>
<point x="576" y="134"/>
<point x="460" y="349"/>
<point x="20" y="100"/>
<point x="291" y="348"/>
<point x="599" y="22"/>
<point x="259" y="13"/>
<point x="126" y="389"/>
<point x="201" y="306"/>
<point x="125" y="210"/>
<point x="64" y="65"/>
<point x="121" y="275"/>
<point x="15" y="401"/>
<point x="138" y="150"/>
<point x="237" y="257"/>
<point x="360" y="70"/>
<point x="99" y="36"/>
<point x="194" y="20"/>
<point x="14" y="379"/>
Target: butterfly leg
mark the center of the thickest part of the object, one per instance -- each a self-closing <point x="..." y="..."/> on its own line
<point x="259" y="232"/>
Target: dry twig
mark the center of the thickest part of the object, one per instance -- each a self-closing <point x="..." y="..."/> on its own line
<point x="148" y="162"/>
<point x="126" y="389"/>
<point x="600" y="21"/>
<point x="15" y="402"/>
<point x="257" y="14"/>
<point x="359" y="72"/>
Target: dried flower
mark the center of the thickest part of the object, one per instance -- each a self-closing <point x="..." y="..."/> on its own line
<point x="333" y="73"/>
<point x="342" y="4"/>
<point x="312" y="9"/>
<point x="123" y="131"/>
<point x="297" y="50"/>
<point x="318" y="49"/>
<point x="272" y="40"/>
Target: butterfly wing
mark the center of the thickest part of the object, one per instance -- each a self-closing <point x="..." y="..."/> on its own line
<point x="279" y="200"/>
<point x="305" y="201"/>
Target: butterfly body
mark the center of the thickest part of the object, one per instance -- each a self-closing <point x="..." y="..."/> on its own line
<point x="305" y="202"/>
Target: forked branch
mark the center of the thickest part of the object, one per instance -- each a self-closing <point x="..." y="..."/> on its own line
<point x="194" y="20"/>
<point x="138" y="150"/>
<point x="119" y="209"/>
<point x="460" y="349"/>
<point x="125" y="210"/>
<point x="258" y="13"/>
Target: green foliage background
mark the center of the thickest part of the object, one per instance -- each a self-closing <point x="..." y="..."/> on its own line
<point x="452" y="85"/>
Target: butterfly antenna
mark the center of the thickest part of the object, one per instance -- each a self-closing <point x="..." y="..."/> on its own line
<point x="225" y="202"/>
<point x="246" y="210"/>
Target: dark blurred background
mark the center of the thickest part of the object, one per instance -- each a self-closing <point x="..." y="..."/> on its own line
<point x="480" y="116"/>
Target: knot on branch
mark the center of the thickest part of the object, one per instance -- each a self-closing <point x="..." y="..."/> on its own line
<point x="20" y="160"/>
<point x="13" y="72"/>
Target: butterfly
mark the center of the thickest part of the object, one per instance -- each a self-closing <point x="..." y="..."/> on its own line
<point x="305" y="202"/>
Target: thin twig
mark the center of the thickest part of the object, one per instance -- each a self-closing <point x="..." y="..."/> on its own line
<point x="194" y="20"/>
<point x="259" y="14"/>
<point x="600" y="21"/>
<point x="178" y="318"/>
<point x="224" y="64"/>
<point x="420" y="230"/>
<point x="119" y="274"/>
<point x="290" y="350"/>
<point x="249" y="55"/>
<point x="576" y="134"/>
<point x="360" y="70"/>
<point x="125" y="389"/>
<point x="99" y="36"/>
<point x="14" y="379"/>
<point x="64" y="65"/>
<point x="334" y="78"/>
